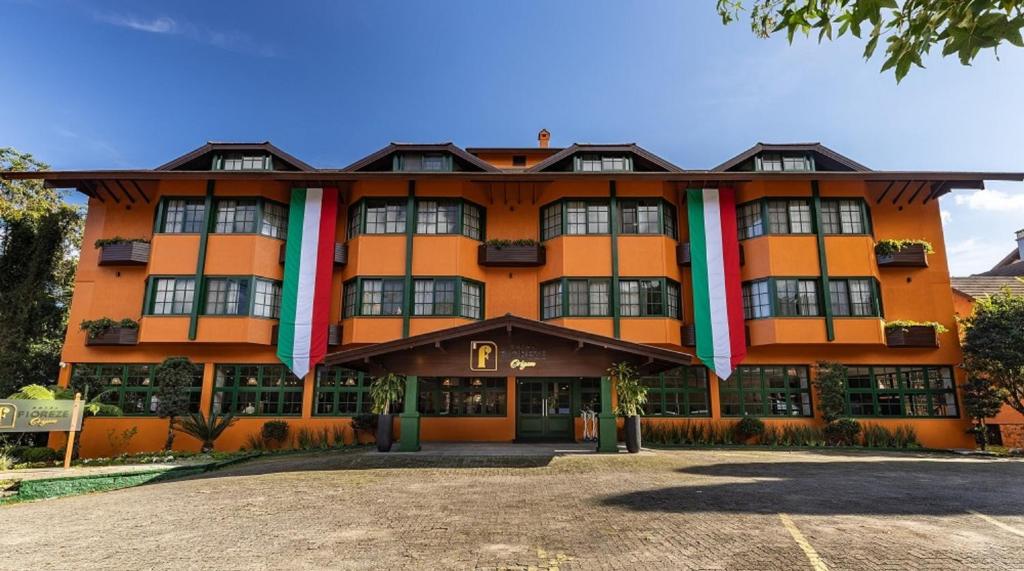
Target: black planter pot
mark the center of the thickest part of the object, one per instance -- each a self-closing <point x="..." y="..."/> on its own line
<point x="633" y="434"/>
<point x="385" y="432"/>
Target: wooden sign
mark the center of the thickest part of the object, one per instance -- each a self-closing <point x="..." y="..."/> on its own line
<point x="25" y="415"/>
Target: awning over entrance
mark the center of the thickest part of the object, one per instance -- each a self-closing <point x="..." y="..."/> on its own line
<point x="503" y="346"/>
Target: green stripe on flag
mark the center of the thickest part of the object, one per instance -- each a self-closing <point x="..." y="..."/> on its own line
<point x="699" y="272"/>
<point x="290" y="288"/>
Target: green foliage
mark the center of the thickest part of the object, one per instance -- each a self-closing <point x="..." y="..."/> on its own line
<point x="630" y="394"/>
<point x="118" y="240"/>
<point x="994" y="344"/>
<point x="96" y="327"/>
<point x="338" y="434"/>
<point x="255" y="442"/>
<point x="910" y="29"/>
<point x="842" y="432"/>
<point x="686" y="433"/>
<point x="364" y="423"/>
<point x="877" y="436"/>
<point x="982" y="399"/>
<point x="275" y="431"/>
<point x="37" y="454"/>
<point x="889" y="247"/>
<point x="93" y="407"/>
<point x="831" y="384"/>
<point x="39" y="240"/>
<point x="749" y="427"/>
<point x="792" y="435"/>
<point x="305" y="438"/>
<point x="6" y="459"/>
<point x="502" y="243"/>
<point x="173" y="377"/>
<point x="905" y="324"/>
<point x="386" y="391"/>
<point x="203" y="429"/>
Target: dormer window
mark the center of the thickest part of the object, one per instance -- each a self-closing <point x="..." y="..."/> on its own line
<point x="423" y="162"/>
<point x="242" y="162"/>
<point x="778" y="162"/>
<point x="603" y="163"/>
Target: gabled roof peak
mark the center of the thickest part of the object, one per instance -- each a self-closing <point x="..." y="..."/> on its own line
<point x="649" y="160"/>
<point x="824" y="156"/>
<point x="202" y="157"/>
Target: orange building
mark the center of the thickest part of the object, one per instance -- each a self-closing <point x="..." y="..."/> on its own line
<point x="503" y="282"/>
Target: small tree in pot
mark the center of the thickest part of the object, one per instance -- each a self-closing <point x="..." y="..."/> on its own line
<point x="386" y="391"/>
<point x="631" y="398"/>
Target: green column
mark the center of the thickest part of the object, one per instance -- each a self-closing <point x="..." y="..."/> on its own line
<point x="410" y="232"/>
<point x="607" y="438"/>
<point x="830" y="329"/>
<point x="613" y="221"/>
<point x="204" y="237"/>
<point x="410" y="418"/>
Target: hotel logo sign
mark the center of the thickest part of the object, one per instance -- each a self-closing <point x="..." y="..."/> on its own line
<point x="483" y="356"/>
<point x="38" y="415"/>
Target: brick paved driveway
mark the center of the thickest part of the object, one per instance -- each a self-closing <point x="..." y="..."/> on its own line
<point x="662" y="510"/>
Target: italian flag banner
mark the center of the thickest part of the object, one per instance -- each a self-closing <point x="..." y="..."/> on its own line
<point x="715" y="262"/>
<point x="308" y="268"/>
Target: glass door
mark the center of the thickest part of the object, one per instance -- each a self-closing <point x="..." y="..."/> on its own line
<point x="544" y="409"/>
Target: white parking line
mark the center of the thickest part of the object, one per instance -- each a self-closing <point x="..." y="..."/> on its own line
<point x="816" y="563"/>
<point x="998" y="523"/>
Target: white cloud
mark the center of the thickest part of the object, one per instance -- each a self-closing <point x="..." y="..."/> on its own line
<point x="991" y="201"/>
<point x="974" y="255"/>
<point x="229" y="40"/>
<point x="946" y="216"/>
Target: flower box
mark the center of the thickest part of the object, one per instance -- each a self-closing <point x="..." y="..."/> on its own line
<point x="912" y="336"/>
<point x="114" y="336"/>
<point x="340" y="254"/>
<point x="511" y="256"/>
<point x="124" y="254"/>
<point x="333" y="335"/>
<point x="910" y="256"/>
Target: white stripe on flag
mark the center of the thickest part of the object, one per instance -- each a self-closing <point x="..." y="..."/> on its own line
<point x="716" y="283"/>
<point x="307" y="281"/>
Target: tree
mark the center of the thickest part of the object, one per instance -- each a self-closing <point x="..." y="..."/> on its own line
<point x="982" y="400"/>
<point x="830" y="381"/>
<point x="993" y="344"/>
<point x="910" y="28"/>
<point x="39" y="240"/>
<point x="173" y="378"/>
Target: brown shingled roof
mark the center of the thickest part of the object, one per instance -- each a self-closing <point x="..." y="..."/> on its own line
<point x="977" y="286"/>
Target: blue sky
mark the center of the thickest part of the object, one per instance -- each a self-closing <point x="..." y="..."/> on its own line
<point x="133" y="84"/>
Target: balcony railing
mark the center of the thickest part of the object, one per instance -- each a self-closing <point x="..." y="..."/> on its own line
<point x="124" y="254"/>
<point x="511" y="256"/>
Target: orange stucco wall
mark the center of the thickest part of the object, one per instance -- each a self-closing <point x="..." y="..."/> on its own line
<point x="511" y="212"/>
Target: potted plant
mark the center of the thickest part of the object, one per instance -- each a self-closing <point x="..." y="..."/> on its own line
<point x="905" y="333"/>
<point x="631" y="398"/>
<point x="386" y="391"/>
<point x="106" y="331"/>
<point x="903" y="253"/>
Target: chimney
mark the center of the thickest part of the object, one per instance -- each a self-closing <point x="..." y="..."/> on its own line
<point x="1020" y="244"/>
<point x="543" y="138"/>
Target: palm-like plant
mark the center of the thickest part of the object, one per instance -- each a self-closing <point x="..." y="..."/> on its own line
<point x="94" y="407"/>
<point x="206" y="430"/>
<point x="631" y="394"/>
<point x="386" y="391"/>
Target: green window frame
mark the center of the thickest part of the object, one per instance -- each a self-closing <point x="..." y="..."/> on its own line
<point x="256" y="390"/>
<point x="266" y="298"/>
<point x="433" y="296"/>
<point x="777" y="216"/>
<point x="784" y="162"/>
<point x="770" y="390"/>
<point x="902" y="391"/>
<point x="463" y="396"/>
<point x="342" y="392"/>
<point x="646" y="216"/>
<point x="450" y="216"/>
<point x="576" y="297"/>
<point x="250" y="215"/>
<point x="227" y="295"/>
<point x="588" y="162"/>
<point x="129" y="386"/>
<point x="377" y="216"/>
<point x="242" y="162"/>
<point x="683" y="391"/>
<point x="591" y="217"/>
<point x="855" y="297"/>
<point x="788" y="297"/>
<point x="649" y="297"/>
<point x="422" y="162"/>
<point x="845" y="216"/>
<point x="169" y="295"/>
<point x="180" y="215"/>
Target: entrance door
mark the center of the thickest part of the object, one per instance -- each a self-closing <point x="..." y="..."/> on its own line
<point x="544" y="409"/>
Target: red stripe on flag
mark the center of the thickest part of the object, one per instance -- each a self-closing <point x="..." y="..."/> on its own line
<point x="731" y="261"/>
<point x="324" y="276"/>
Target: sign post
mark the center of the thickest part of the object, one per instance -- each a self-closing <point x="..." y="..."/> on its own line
<point x="76" y="412"/>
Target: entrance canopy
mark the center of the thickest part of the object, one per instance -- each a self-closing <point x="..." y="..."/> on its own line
<point x="506" y="346"/>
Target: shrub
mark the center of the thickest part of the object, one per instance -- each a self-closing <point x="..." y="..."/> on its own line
<point x="203" y="429"/>
<point x="255" y="441"/>
<point x="905" y="324"/>
<point x="275" y="431"/>
<point x="842" y="432"/>
<point x="39" y="454"/>
<point x="889" y="247"/>
<point x="686" y="433"/>
<point x="876" y="436"/>
<point x="6" y="459"/>
<point x="96" y="327"/>
<point x="830" y="381"/>
<point x="118" y="240"/>
<point x="749" y="427"/>
<point x="305" y="438"/>
<point x="338" y="433"/>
